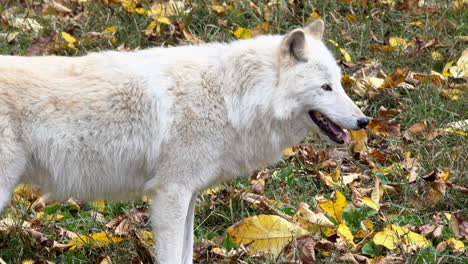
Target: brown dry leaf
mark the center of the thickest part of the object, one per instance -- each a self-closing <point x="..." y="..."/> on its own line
<point x="55" y="9"/>
<point x="384" y="128"/>
<point x="105" y="260"/>
<point x="191" y="38"/>
<point x="354" y="259"/>
<point x="264" y="202"/>
<point x="391" y="260"/>
<point x="122" y="223"/>
<point x="305" y="245"/>
<point x="426" y="229"/>
<point x="396" y="77"/>
<point x="412" y="167"/>
<point x="382" y="48"/>
<point x="418" y="128"/>
<point x="407" y="5"/>
<point x="258" y="186"/>
<point x="42" y="45"/>
<point x="9" y="224"/>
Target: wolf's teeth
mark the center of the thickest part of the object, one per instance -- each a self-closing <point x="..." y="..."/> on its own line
<point x="339" y="135"/>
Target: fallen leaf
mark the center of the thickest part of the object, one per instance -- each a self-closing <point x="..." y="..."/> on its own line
<point x="269" y="233"/>
<point x="398" y="42"/>
<point x="358" y="140"/>
<point x="354" y="259"/>
<point x="310" y="220"/>
<point x="100" y="205"/>
<point x="394" y="236"/>
<point x="456" y="244"/>
<point x="242" y="33"/>
<point x="345" y="234"/>
<point x="334" y="208"/>
<point x="95" y="240"/>
<point x="371" y="203"/>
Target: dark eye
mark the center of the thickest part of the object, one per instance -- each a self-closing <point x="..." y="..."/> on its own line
<point x="326" y="87"/>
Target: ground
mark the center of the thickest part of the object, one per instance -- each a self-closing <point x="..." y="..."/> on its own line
<point x="402" y="179"/>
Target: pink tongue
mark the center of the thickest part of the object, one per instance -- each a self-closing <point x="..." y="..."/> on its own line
<point x="334" y="128"/>
<point x="337" y="131"/>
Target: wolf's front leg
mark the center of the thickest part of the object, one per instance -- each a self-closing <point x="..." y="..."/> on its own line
<point x="170" y="210"/>
<point x="188" y="241"/>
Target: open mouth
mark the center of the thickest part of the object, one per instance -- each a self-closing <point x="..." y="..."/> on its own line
<point x="332" y="130"/>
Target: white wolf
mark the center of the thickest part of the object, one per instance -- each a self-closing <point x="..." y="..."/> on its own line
<point x="167" y="122"/>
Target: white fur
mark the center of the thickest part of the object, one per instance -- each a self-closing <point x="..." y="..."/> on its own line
<point x="167" y="122"/>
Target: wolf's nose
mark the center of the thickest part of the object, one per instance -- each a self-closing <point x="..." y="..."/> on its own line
<point x="362" y="122"/>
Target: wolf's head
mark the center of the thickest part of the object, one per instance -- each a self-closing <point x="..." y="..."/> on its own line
<point x="310" y="81"/>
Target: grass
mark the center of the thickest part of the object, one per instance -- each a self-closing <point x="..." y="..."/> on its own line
<point x="216" y="212"/>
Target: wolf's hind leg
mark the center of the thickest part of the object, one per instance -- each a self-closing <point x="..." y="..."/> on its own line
<point x="12" y="164"/>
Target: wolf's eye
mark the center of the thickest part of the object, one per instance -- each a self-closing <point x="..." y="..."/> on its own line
<point x="326" y="87"/>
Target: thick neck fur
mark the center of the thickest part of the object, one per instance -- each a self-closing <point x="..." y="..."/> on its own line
<point x="250" y="85"/>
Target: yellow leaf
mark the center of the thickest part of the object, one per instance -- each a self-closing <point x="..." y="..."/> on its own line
<point x="163" y="20"/>
<point x="398" y="42"/>
<point x="351" y="18"/>
<point x="106" y="260"/>
<point x="243" y="33"/>
<point x="69" y="40"/>
<point x="26" y="24"/>
<point x="333" y="42"/>
<point x="415" y="23"/>
<point x="150" y="28"/>
<point x="110" y="31"/>
<point x="269" y="233"/>
<point x="314" y="15"/>
<point x="359" y="140"/>
<point x="288" y="152"/>
<point x="146" y="236"/>
<point x="461" y="69"/>
<point x="346" y="55"/>
<point x="96" y="240"/>
<point x="100" y="205"/>
<point x="345" y="233"/>
<point x="436" y="56"/>
<point x="366" y="228"/>
<point x="73" y="204"/>
<point x="334" y="208"/>
<point x="27" y="261"/>
<point x="310" y="220"/>
<point x="52" y="217"/>
<point x="371" y="203"/>
<point x="327" y="179"/>
<point x="394" y="235"/>
<point x="221" y="10"/>
<point x="456" y="244"/>
<point x="26" y="192"/>
<point x="141" y="11"/>
<point x="377" y="191"/>
<point x="129" y="5"/>
<point x="460" y="127"/>
<point x="445" y="71"/>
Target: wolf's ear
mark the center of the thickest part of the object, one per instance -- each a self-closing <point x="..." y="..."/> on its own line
<point x="315" y="29"/>
<point x="293" y="47"/>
